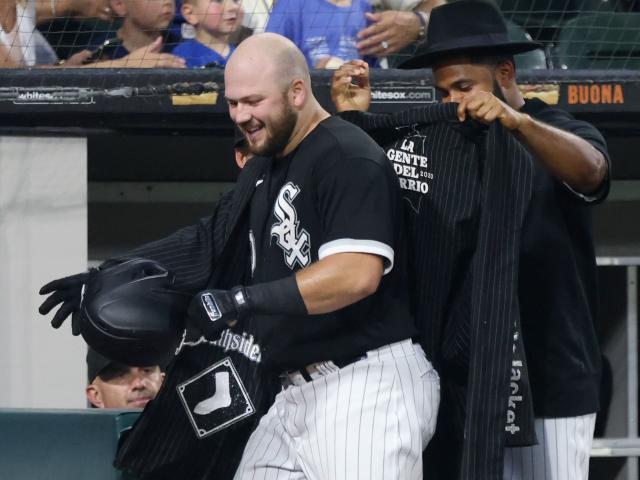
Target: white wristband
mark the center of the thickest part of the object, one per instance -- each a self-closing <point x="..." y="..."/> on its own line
<point x="53" y="8"/>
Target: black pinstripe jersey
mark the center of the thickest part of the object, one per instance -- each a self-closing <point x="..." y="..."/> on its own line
<point x="215" y="390"/>
<point x="466" y="190"/>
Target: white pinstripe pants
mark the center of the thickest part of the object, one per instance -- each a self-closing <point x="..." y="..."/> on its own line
<point x="562" y="452"/>
<point x="367" y="421"/>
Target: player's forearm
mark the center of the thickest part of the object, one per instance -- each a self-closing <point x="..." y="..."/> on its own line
<point x="338" y="281"/>
<point x="569" y="158"/>
<point x="330" y="284"/>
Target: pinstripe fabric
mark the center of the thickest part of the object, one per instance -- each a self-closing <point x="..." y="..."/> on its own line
<point x="561" y="454"/>
<point x="163" y="443"/>
<point x="466" y="236"/>
<point x="367" y="421"/>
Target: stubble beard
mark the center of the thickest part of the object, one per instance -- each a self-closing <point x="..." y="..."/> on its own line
<point x="281" y="130"/>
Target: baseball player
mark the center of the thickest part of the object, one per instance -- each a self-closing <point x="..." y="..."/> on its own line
<point x="471" y="57"/>
<point x="326" y="285"/>
<point x="323" y="290"/>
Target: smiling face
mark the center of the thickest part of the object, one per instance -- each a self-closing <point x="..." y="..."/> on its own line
<point x="217" y="17"/>
<point x="262" y="110"/>
<point x="131" y="387"/>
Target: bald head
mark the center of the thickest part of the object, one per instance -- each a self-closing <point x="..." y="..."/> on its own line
<point x="268" y="89"/>
<point x="271" y="56"/>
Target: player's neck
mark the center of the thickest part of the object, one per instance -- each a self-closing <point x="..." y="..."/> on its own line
<point x="307" y="122"/>
<point x="217" y="42"/>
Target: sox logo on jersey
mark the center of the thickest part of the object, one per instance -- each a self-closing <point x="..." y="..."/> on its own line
<point x="294" y="242"/>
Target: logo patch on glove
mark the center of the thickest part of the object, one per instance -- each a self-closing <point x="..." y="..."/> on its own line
<point x="211" y="307"/>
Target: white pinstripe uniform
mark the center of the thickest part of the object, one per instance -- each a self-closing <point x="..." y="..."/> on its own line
<point x="562" y="452"/>
<point x="368" y="420"/>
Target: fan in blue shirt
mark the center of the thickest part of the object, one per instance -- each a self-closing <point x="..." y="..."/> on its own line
<point x="214" y="22"/>
<point x="325" y="30"/>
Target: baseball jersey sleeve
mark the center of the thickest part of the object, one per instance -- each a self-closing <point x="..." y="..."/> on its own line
<point x="565" y="121"/>
<point x="589" y="133"/>
<point x="358" y="204"/>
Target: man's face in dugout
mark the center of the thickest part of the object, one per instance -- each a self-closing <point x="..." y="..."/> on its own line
<point x="130" y="387"/>
<point x="457" y="78"/>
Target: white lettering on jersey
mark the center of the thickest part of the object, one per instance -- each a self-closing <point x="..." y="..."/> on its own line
<point x="244" y="344"/>
<point x="294" y="243"/>
<point x="407" y="145"/>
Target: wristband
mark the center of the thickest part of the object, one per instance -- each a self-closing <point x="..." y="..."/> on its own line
<point x="280" y="297"/>
<point x="53" y="7"/>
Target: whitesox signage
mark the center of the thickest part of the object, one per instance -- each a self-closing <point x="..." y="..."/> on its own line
<point x="412" y="94"/>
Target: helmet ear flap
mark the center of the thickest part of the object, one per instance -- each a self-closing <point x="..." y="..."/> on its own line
<point x="131" y="314"/>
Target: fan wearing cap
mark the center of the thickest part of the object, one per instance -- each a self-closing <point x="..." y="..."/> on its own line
<point x="471" y="56"/>
<point x="113" y="385"/>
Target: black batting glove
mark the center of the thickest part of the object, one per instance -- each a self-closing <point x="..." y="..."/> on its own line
<point x="68" y="292"/>
<point x="212" y="311"/>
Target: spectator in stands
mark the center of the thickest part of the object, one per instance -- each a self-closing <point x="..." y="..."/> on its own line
<point x="325" y="30"/>
<point x="402" y="24"/>
<point x="143" y="22"/>
<point x="112" y="385"/>
<point x="214" y="22"/>
<point x="22" y="45"/>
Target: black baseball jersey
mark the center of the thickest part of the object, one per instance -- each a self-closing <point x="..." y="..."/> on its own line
<point x="334" y="193"/>
<point x="558" y="284"/>
<point x="466" y="191"/>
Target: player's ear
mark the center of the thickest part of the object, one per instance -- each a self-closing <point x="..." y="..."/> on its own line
<point x="241" y="157"/>
<point x="505" y="72"/>
<point x="94" y="396"/>
<point x="298" y="92"/>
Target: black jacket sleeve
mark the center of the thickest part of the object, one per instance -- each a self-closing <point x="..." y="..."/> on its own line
<point x="191" y="252"/>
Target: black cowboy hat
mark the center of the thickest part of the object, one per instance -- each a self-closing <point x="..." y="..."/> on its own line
<point x="465" y="27"/>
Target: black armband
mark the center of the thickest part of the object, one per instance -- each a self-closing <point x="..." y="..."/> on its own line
<point x="280" y="297"/>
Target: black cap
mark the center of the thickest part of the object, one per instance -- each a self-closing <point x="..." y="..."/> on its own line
<point x="96" y="363"/>
<point x="465" y="27"/>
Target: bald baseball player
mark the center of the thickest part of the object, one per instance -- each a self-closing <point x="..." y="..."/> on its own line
<point x="326" y="288"/>
<point x="471" y="57"/>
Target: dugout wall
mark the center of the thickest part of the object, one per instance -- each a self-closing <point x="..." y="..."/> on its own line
<point x="158" y="147"/>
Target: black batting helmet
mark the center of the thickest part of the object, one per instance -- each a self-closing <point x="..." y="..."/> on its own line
<point x="131" y="314"/>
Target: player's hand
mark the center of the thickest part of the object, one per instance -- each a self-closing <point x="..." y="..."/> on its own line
<point x="66" y="291"/>
<point x="396" y="28"/>
<point x="211" y="311"/>
<point x="485" y="107"/>
<point x="350" y="87"/>
<point x="149" y="57"/>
